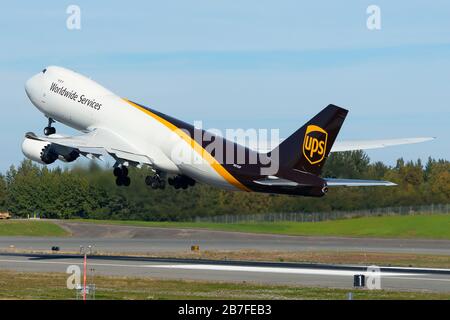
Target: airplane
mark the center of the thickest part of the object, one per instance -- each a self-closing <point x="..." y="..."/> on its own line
<point x="177" y="152"/>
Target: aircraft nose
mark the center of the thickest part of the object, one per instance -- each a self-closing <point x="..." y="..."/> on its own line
<point x="33" y="88"/>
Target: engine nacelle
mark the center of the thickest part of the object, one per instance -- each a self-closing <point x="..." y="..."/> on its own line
<point x="47" y="153"/>
<point x="68" y="155"/>
<point x="38" y="151"/>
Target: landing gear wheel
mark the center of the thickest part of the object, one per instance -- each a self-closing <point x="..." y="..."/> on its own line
<point x="155" y="185"/>
<point x="117" y="171"/>
<point x="181" y="181"/>
<point x="155" y="182"/>
<point x="49" y="130"/>
<point x="121" y="174"/>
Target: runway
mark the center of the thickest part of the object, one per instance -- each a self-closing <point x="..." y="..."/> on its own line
<point x="109" y="240"/>
<point x="140" y="240"/>
<point x="314" y="275"/>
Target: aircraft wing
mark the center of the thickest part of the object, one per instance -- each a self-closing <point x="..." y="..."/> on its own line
<point x="95" y="144"/>
<point x="279" y="182"/>
<point x="339" y="146"/>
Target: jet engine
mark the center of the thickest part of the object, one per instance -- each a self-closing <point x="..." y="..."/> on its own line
<point x="46" y="152"/>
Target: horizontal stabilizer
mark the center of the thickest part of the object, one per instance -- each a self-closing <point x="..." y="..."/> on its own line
<point x="357" y="183"/>
<point x="331" y="182"/>
<point x="276" y="182"/>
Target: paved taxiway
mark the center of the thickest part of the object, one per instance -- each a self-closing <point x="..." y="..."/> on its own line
<point x="130" y="239"/>
<point x="436" y="280"/>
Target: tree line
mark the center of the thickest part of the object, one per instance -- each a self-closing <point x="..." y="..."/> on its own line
<point x="90" y="192"/>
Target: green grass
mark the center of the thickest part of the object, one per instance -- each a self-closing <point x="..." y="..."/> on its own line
<point x="431" y="226"/>
<point x="36" y="228"/>
<point x="23" y="285"/>
<point x="426" y="226"/>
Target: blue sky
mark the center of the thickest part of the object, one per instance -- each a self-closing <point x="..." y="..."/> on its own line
<point x="243" y="64"/>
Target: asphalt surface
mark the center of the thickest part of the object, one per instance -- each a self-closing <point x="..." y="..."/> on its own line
<point x="141" y="240"/>
<point x="432" y="280"/>
<point x="129" y="239"/>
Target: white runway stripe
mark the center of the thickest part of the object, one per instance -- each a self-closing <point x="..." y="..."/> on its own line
<point x="324" y="272"/>
<point x="230" y="268"/>
<point x="424" y="279"/>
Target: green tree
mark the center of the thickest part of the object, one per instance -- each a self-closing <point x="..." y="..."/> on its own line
<point x="349" y="164"/>
<point x="3" y="193"/>
<point x="91" y="192"/>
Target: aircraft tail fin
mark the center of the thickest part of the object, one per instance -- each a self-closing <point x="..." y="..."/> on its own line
<point x="307" y="148"/>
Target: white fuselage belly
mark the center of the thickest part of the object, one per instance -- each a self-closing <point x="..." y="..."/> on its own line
<point x="169" y="152"/>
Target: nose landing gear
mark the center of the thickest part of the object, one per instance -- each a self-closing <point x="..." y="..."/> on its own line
<point x="121" y="174"/>
<point x="48" y="130"/>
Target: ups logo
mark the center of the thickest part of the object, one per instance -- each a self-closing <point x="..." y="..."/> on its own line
<point x="315" y="144"/>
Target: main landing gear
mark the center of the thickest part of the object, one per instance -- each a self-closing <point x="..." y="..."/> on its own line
<point x="48" y="130"/>
<point x="181" y="181"/>
<point x="121" y="174"/>
<point x="156" y="182"/>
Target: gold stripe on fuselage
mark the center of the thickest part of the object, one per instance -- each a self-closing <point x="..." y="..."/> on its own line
<point x="194" y="144"/>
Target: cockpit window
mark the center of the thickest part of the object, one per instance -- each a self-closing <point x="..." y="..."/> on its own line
<point x="43" y="71"/>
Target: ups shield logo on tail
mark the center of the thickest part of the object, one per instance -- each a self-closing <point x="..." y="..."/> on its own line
<point x="315" y="144"/>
